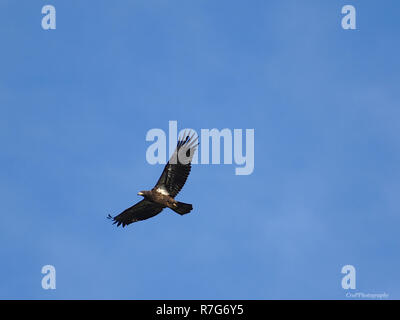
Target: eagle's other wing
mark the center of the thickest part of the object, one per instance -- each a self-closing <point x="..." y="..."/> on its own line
<point x="178" y="167"/>
<point x="140" y="211"/>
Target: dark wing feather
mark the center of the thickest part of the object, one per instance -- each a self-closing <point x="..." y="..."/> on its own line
<point x="140" y="211"/>
<point x="177" y="170"/>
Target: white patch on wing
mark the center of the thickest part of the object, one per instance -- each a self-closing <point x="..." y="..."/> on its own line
<point x="163" y="191"/>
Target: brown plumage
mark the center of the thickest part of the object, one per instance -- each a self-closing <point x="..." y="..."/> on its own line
<point x="172" y="179"/>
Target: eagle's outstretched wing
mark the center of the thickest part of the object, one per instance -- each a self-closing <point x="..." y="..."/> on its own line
<point x="178" y="167"/>
<point x="140" y="211"/>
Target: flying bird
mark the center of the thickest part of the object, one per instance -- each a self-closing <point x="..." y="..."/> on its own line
<point x="172" y="179"/>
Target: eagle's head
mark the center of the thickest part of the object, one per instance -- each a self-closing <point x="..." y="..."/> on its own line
<point x="142" y="193"/>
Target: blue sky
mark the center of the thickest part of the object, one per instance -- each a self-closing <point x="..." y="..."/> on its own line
<point x="76" y="104"/>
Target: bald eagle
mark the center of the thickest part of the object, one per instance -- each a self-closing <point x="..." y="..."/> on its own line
<point x="172" y="179"/>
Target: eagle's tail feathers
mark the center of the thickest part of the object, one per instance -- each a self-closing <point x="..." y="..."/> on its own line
<point x="182" y="208"/>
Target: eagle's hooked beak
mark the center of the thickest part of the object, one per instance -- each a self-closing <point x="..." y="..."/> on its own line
<point x="140" y="193"/>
